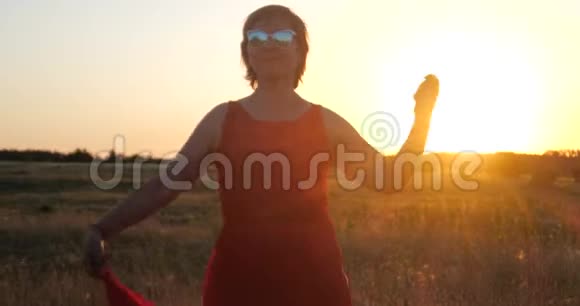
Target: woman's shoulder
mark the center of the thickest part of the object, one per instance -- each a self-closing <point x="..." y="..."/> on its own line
<point x="213" y="121"/>
<point x="220" y="110"/>
<point x="335" y="125"/>
<point x="330" y="118"/>
<point x="217" y="114"/>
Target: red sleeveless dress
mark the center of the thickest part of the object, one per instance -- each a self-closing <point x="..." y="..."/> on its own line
<point x="277" y="245"/>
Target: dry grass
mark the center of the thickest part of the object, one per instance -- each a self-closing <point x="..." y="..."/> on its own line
<point x="501" y="245"/>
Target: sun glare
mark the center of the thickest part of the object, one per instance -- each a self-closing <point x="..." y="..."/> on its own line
<point x="490" y="90"/>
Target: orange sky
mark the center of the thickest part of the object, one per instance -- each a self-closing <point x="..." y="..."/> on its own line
<point x="77" y="74"/>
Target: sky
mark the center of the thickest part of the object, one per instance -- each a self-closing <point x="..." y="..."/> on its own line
<point x="80" y="74"/>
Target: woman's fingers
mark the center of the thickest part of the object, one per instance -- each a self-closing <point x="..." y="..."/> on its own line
<point x="94" y="253"/>
<point x="429" y="86"/>
<point x="426" y="94"/>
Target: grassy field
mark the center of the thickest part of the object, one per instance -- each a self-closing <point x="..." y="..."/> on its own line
<point x="505" y="244"/>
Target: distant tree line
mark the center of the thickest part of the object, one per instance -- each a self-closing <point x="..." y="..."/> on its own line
<point x="544" y="168"/>
<point x="78" y="155"/>
<point x="563" y="153"/>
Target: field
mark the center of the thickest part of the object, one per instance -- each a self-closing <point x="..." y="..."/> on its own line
<point x="505" y="244"/>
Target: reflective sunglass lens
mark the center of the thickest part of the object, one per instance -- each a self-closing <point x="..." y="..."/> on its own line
<point x="257" y="36"/>
<point x="284" y="36"/>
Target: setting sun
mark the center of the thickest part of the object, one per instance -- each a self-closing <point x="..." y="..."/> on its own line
<point x="491" y="92"/>
<point x="502" y="76"/>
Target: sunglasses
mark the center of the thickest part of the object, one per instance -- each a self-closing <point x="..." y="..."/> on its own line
<point x="258" y="38"/>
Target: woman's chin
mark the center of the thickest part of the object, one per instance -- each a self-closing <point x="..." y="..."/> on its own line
<point x="274" y="74"/>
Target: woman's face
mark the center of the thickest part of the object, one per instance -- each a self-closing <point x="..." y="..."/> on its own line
<point x="273" y="60"/>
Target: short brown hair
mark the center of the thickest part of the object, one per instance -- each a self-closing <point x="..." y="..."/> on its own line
<point x="297" y="25"/>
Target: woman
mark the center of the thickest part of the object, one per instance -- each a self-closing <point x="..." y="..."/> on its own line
<point x="277" y="245"/>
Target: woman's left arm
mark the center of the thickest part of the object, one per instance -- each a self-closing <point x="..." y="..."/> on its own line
<point x="347" y="145"/>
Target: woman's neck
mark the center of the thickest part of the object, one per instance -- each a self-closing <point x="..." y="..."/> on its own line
<point x="275" y="92"/>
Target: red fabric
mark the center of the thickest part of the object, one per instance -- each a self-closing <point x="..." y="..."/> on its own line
<point x="277" y="245"/>
<point x="118" y="294"/>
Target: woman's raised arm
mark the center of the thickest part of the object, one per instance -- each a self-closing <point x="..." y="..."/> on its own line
<point x="357" y="160"/>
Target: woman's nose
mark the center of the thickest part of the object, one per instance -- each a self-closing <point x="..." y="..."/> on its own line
<point x="269" y="44"/>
